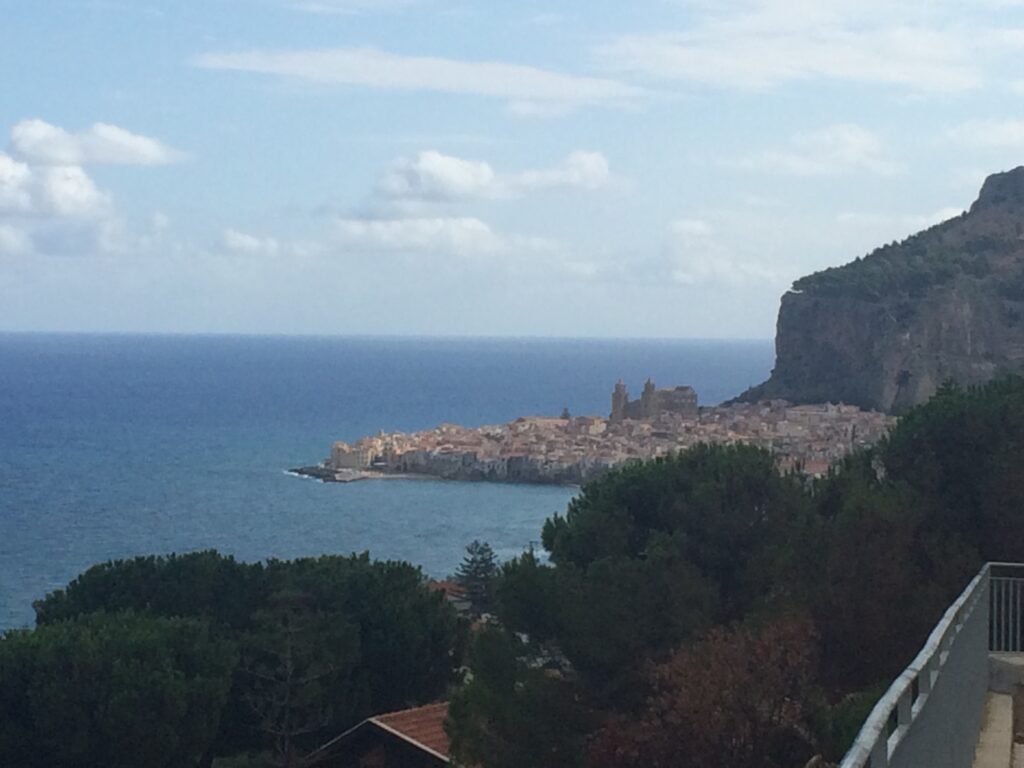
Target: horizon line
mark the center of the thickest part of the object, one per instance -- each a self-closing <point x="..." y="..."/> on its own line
<point x="383" y="336"/>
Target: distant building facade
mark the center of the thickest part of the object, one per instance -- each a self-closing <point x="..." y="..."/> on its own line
<point x="345" y="456"/>
<point x="652" y="403"/>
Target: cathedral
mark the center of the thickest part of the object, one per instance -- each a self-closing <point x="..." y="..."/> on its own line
<point x="652" y="402"/>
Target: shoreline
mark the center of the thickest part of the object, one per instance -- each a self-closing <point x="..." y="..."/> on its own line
<point x="325" y="474"/>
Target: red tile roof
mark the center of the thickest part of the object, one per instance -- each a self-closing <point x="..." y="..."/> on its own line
<point x="423" y="726"/>
<point x="449" y="587"/>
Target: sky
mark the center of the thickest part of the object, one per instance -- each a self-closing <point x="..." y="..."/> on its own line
<point x="652" y="168"/>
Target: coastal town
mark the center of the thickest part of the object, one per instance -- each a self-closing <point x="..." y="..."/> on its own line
<point x="573" y="449"/>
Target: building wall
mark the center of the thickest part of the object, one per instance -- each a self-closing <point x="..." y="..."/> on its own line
<point x="653" y="402"/>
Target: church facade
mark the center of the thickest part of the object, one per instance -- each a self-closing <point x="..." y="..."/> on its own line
<point x="652" y="403"/>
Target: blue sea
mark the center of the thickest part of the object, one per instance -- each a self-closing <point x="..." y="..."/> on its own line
<point x="119" y="445"/>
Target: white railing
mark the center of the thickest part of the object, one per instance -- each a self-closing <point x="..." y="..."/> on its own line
<point x="1005" y="622"/>
<point x="931" y="714"/>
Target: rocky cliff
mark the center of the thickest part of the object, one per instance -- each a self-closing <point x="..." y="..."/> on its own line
<point x="886" y="330"/>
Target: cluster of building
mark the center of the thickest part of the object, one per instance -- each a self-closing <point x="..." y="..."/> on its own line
<point x="576" y="449"/>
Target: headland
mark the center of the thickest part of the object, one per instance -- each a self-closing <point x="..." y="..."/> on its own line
<point x="575" y="449"/>
<point x="886" y="330"/>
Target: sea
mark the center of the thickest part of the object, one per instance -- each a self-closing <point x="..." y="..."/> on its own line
<point x="113" y="446"/>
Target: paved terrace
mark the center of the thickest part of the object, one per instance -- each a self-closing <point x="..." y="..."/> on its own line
<point x="953" y="707"/>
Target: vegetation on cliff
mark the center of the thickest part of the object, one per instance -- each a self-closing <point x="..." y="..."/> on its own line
<point x="910" y="267"/>
<point x="982" y="242"/>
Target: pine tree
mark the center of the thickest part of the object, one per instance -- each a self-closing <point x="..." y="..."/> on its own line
<point x="294" y="660"/>
<point x="476" y="576"/>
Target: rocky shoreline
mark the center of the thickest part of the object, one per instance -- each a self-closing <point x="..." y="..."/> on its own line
<point x="326" y="474"/>
<point x="468" y="470"/>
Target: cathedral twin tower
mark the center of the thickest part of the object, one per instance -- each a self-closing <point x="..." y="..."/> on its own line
<point x="652" y="402"/>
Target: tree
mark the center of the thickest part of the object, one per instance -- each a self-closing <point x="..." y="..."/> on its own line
<point x="647" y="557"/>
<point x="117" y="690"/>
<point x="740" y="697"/>
<point x="202" y="584"/>
<point x="655" y="552"/>
<point x="725" y="509"/>
<point x="406" y="642"/>
<point x="876" y="574"/>
<point x="960" y="454"/>
<point x="296" y="662"/>
<point x="411" y="642"/>
<point x="476" y="575"/>
<point x="512" y="714"/>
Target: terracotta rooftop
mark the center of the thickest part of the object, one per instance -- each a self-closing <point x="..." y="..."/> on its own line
<point x="448" y="586"/>
<point x="423" y="726"/>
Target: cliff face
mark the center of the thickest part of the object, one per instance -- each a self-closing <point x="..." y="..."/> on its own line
<point x="886" y="330"/>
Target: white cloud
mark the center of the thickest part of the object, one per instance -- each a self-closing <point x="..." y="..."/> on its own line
<point x="583" y="170"/>
<point x="695" y="256"/>
<point x="539" y="109"/>
<point x="989" y="134"/>
<point x="68" y="191"/>
<point x="41" y="143"/>
<point x="49" y="204"/>
<point x="372" y="68"/>
<point x="235" y="241"/>
<point x="434" y="177"/>
<point x="842" y="148"/>
<point x="15" y="185"/>
<point x="766" y="43"/>
<point x="462" y="236"/>
<point x="62" y="191"/>
<point x="14" y="241"/>
<point x="442" y="237"/>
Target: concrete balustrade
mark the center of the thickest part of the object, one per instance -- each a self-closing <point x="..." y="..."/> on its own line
<point x="932" y="714"/>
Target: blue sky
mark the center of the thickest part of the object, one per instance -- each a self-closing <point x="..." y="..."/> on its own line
<point x="651" y="168"/>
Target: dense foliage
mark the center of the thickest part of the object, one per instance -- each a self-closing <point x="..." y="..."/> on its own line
<point x="337" y="638"/>
<point x="822" y="589"/>
<point x="741" y="697"/>
<point x="515" y="713"/>
<point x="911" y="267"/>
<point x="112" y="690"/>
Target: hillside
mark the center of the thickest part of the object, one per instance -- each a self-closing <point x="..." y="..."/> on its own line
<point x="886" y="330"/>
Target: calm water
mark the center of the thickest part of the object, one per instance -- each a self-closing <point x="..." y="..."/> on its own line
<point x="112" y="446"/>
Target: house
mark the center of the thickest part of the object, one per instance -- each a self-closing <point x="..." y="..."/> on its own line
<point x="411" y="738"/>
<point x="453" y="592"/>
